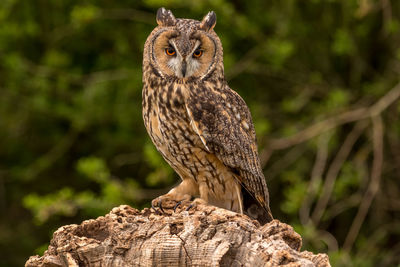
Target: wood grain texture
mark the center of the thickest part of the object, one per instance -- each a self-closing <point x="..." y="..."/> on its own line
<point x="203" y="236"/>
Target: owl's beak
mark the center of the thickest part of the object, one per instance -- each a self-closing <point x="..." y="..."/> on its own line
<point x="183" y="68"/>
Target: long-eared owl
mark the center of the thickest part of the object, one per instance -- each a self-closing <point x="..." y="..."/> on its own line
<point x="202" y="128"/>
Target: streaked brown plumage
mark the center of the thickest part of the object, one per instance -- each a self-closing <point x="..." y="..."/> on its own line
<point x="202" y="128"/>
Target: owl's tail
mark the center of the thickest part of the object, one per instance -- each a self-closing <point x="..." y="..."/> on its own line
<point x="254" y="209"/>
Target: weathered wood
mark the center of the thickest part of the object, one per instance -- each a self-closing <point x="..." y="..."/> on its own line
<point x="202" y="236"/>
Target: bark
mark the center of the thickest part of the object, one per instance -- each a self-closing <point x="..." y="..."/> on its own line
<point x="201" y="236"/>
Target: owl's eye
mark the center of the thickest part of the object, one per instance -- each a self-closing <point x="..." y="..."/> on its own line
<point x="170" y="51"/>
<point x="197" y="53"/>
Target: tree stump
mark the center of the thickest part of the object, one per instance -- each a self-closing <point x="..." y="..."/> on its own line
<point x="201" y="236"/>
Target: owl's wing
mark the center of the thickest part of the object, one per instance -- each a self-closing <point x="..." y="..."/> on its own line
<point x="223" y="122"/>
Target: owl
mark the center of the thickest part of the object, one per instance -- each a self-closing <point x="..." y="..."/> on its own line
<point x="201" y="127"/>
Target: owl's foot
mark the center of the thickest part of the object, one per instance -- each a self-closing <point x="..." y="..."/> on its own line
<point x="195" y="202"/>
<point x="191" y="204"/>
<point x="168" y="202"/>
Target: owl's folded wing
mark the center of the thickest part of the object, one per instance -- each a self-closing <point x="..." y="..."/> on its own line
<point x="223" y="122"/>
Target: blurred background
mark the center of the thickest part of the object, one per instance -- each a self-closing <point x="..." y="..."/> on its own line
<point x="320" y="77"/>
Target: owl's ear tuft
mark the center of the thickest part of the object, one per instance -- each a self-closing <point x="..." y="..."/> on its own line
<point x="209" y="21"/>
<point x="165" y="17"/>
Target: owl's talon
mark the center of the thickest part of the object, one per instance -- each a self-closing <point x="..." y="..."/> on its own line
<point x="190" y="206"/>
<point x="160" y="206"/>
<point x="152" y="206"/>
<point x="177" y="205"/>
<point x="156" y="205"/>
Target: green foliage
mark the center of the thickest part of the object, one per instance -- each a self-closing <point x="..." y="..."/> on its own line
<point x="277" y="52"/>
<point x="348" y="181"/>
<point x="65" y="202"/>
<point x="294" y="194"/>
<point x="343" y="44"/>
<point x="73" y="143"/>
<point x="94" y="169"/>
<point x="84" y="14"/>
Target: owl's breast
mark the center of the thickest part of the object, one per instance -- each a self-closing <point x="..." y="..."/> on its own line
<point x="169" y="126"/>
<point x="167" y="121"/>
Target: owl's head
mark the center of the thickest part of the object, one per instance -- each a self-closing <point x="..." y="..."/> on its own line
<point x="183" y="48"/>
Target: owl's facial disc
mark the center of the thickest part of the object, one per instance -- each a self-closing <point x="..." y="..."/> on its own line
<point x="183" y="65"/>
<point x="184" y="55"/>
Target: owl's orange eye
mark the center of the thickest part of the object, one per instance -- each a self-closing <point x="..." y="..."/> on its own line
<point x="170" y="51"/>
<point x="198" y="53"/>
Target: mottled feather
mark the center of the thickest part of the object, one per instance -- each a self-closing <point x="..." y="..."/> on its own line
<point x="231" y="138"/>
